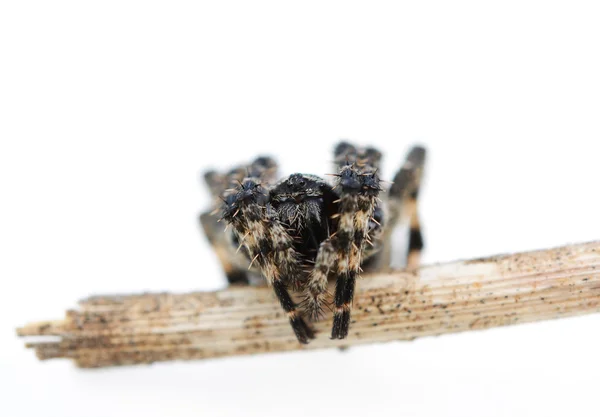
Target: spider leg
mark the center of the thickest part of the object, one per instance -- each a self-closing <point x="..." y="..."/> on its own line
<point x="263" y="167"/>
<point x="345" y="249"/>
<point x="220" y="185"/>
<point x="369" y="159"/>
<point x="403" y="196"/>
<point x="358" y="199"/>
<point x="269" y="246"/>
<point x="315" y="293"/>
<point x="222" y="243"/>
<point x="216" y="182"/>
<point x="224" y="247"/>
<point x="345" y="153"/>
<point x="358" y="187"/>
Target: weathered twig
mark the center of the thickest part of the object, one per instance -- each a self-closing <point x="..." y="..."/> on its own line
<point x="454" y="297"/>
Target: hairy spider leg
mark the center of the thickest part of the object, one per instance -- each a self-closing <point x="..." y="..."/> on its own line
<point x="315" y="292"/>
<point x="358" y="186"/>
<point x="370" y="158"/>
<point x="402" y="203"/>
<point x="269" y="245"/>
<point x="220" y="185"/>
<point x="345" y="249"/>
<point x="346" y="152"/>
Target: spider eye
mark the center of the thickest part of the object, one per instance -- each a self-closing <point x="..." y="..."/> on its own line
<point x="302" y="183"/>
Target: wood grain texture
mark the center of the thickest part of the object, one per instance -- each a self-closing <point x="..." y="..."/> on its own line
<point x="395" y="305"/>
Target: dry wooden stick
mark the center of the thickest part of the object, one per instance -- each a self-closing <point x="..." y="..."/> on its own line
<point x="397" y="305"/>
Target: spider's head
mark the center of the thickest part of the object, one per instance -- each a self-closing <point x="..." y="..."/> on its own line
<point x="298" y="188"/>
<point x="299" y="199"/>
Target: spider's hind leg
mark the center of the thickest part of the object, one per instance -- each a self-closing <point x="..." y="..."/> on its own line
<point x="402" y="202"/>
<point x="222" y="244"/>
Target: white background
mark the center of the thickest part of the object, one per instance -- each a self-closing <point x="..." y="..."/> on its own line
<point x="109" y="112"/>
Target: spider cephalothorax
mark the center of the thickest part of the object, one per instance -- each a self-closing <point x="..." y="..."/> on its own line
<point x="301" y="232"/>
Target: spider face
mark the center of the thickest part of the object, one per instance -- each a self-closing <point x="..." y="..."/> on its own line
<point x="304" y="204"/>
<point x="300" y="201"/>
<point x="302" y="232"/>
<point x="298" y="188"/>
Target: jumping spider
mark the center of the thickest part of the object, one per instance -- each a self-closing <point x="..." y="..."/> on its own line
<point x="301" y="231"/>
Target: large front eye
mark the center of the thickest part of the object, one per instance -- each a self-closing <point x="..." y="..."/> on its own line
<point x="302" y="183"/>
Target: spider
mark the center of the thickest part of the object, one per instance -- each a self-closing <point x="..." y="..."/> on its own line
<point x="301" y="232"/>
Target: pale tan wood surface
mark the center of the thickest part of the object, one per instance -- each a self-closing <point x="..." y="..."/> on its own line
<point x="395" y="305"/>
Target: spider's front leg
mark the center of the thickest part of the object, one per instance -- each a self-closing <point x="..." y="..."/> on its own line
<point x="256" y="224"/>
<point x="359" y="188"/>
<point x="221" y="185"/>
<point x="341" y="254"/>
